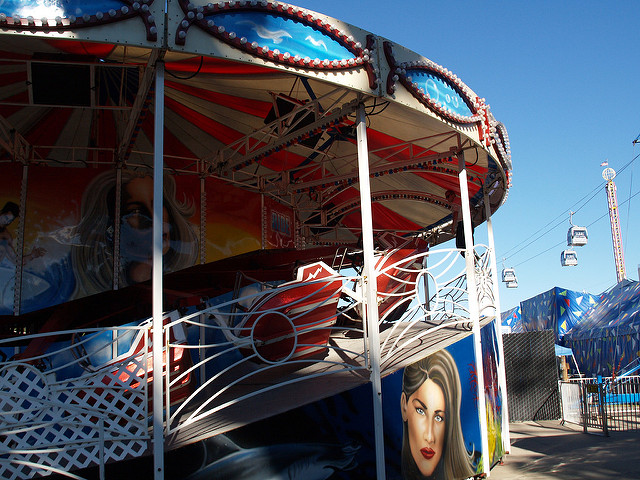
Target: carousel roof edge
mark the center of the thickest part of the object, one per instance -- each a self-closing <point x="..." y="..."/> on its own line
<point x="257" y="32"/>
<point x="232" y="30"/>
<point x="361" y="61"/>
<point x="140" y="22"/>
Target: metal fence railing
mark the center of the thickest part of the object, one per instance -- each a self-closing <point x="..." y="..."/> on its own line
<point x="603" y="403"/>
<point x="81" y="398"/>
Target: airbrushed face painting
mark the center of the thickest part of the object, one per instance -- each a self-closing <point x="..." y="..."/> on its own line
<point x="425" y="414"/>
<point x="137" y="228"/>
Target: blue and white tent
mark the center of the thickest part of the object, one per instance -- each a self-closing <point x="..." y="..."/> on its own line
<point x="608" y="336"/>
<point x="558" y="309"/>
<point x="511" y="319"/>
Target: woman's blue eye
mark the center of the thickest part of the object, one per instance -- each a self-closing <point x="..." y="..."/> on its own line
<point x="439" y="418"/>
<point x="420" y="411"/>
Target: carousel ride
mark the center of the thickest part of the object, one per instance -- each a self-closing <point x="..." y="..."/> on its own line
<point x="308" y="171"/>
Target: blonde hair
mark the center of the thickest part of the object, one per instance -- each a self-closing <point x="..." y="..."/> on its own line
<point x="456" y="461"/>
<point x="92" y="252"/>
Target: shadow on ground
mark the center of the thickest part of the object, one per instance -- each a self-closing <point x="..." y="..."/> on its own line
<point x="542" y="450"/>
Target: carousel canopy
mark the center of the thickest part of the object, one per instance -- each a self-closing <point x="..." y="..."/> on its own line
<point x="259" y="94"/>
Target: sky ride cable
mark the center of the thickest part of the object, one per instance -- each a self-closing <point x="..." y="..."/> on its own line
<point x="626" y="237"/>
<point x="593" y="194"/>
<point x="604" y="215"/>
<point x="558" y="221"/>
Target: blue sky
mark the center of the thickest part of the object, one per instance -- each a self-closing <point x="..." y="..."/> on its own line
<point x="564" y="77"/>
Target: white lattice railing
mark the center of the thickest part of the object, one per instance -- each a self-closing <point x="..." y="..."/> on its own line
<point x="60" y="412"/>
<point x="84" y="399"/>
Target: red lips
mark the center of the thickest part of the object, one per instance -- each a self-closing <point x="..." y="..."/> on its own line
<point x="427" y="453"/>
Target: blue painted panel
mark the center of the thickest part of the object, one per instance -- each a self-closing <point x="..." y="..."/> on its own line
<point x="440" y="91"/>
<point x="283" y="34"/>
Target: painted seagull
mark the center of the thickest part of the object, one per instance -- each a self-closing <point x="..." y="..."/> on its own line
<point x="317" y="43"/>
<point x="275" y="36"/>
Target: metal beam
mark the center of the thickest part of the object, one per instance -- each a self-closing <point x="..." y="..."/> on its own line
<point x="141" y="97"/>
<point x="353" y="175"/>
<point x="229" y="158"/>
<point x="15" y="144"/>
<point x="370" y="290"/>
<point x="156" y="279"/>
<point x="474" y="310"/>
<point x="502" y="376"/>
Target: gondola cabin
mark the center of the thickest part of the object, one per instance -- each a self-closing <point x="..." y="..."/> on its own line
<point x="509" y="275"/>
<point x="513" y="284"/>
<point x="569" y="258"/>
<point x="577" y="236"/>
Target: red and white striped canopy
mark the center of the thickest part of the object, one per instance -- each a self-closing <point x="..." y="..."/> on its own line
<point x="79" y="92"/>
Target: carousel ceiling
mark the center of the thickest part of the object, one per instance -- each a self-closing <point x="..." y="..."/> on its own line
<point x="260" y="94"/>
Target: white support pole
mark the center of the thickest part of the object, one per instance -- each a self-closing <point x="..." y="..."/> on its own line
<point x="474" y="311"/>
<point x="157" y="341"/>
<point x="22" y="217"/>
<point x="502" y="376"/>
<point x="203" y="260"/>
<point x="427" y="297"/>
<point x="115" y="268"/>
<point x="203" y="220"/>
<point x="370" y="287"/>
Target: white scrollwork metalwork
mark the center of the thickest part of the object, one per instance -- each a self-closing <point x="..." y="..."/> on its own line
<point x="84" y="400"/>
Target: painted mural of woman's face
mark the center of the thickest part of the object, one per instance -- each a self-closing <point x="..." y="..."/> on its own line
<point x="137" y="224"/>
<point x="425" y="414"/>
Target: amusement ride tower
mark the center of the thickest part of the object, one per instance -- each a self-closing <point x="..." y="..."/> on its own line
<point x="612" y="200"/>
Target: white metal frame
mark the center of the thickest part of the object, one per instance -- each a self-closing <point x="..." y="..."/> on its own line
<point x="478" y="286"/>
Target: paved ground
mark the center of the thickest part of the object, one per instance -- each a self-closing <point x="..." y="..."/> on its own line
<point x="547" y="449"/>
